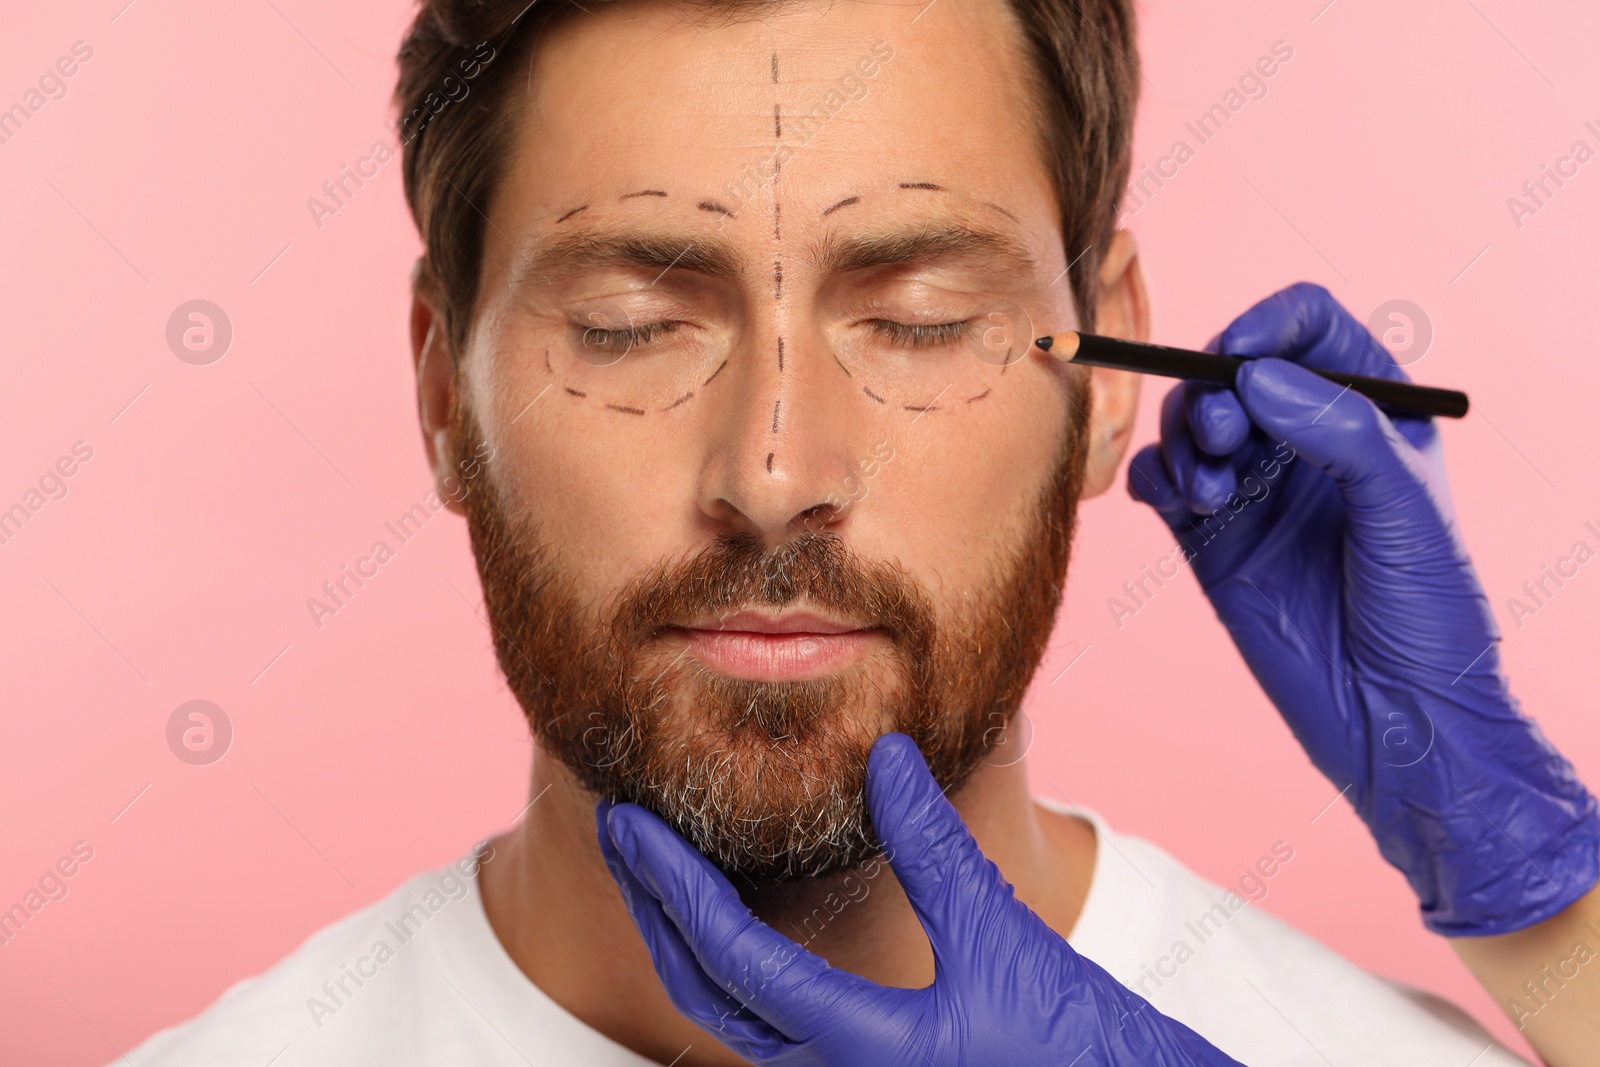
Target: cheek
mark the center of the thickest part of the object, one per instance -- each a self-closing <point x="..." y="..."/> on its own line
<point x="609" y="496"/>
<point x="961" y="488"/>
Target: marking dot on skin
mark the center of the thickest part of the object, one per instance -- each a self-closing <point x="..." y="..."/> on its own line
<point x="571" y="213"/>
<point x="643" y="192"/>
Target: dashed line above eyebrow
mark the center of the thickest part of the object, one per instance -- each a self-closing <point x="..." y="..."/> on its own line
<point x="571" y="213"/>
<point x="846" y="202"/>
<point x="712" y="205"/>
<point x="922" y="185"/>
<point x="642" y="192"/>
<point x="624" y="409"/>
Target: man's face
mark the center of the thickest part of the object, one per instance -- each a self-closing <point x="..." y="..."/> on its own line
<point x="774" y="470"/>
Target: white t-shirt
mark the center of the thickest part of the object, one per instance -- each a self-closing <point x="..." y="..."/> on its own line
<point x="420" y="978"/>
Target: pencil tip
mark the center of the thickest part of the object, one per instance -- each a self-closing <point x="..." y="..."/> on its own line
<point x="1045" y="342"/>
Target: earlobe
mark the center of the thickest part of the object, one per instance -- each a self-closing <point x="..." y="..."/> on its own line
<point x="1122" y="309"/>
<point x="435" y="374"/>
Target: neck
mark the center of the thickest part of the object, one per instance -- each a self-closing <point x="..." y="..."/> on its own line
<point x="554" y="907"/>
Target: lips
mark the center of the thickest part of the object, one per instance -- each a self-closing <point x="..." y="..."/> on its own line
<point x="793" y="622"/>
<point x="785" y="646"/>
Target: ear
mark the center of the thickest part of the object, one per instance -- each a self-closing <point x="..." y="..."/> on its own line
<point x="435" y="372"/>
<point x="1122" y="310"/>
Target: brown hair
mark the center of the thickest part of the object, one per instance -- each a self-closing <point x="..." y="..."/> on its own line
<point x="455" y="146"/>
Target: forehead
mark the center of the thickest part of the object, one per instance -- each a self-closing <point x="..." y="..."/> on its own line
<point x="866" y="100"/>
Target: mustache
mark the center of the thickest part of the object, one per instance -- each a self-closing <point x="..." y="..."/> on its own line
<point x="737" y="572"/>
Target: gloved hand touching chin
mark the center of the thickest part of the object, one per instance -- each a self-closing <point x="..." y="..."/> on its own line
<point x="1008" y="989"/>
<point x="1321" y="530"/>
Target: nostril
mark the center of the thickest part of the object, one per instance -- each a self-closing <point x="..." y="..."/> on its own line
<point x="816" y="518"/>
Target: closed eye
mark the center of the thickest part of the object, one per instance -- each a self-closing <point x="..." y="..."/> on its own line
<point x="917" y="335"/>
<point x="599" y="337"/>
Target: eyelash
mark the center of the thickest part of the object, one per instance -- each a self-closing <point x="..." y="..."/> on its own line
<point x="600" y="337"/>
<point x="905" y="335"/>
<point x="909" y="335"/>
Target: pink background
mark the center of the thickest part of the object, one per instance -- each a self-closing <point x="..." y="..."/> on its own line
<point x="179" y="563"/>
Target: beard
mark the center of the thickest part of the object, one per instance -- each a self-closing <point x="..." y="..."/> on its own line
<point x="767" y="778"/>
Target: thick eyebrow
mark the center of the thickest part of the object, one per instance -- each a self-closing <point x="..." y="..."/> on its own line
<point x="931" y="243"/>
<point x="656" y="252"/>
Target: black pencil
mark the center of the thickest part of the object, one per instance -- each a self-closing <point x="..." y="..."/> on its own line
<point x="1093" y="351"/>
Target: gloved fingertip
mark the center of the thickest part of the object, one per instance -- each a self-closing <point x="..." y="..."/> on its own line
<point x="1279" y="323"/>
<point x="1210" y="486"/>
<point x="1217" y="421"/>
<point x="898" y="782"/>
<point x="892" y="756"/>
<point x="1148" y="481"/>
<point x="624" y="834"/>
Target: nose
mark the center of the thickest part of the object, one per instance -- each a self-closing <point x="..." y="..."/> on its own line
<point x="781" y="440"/>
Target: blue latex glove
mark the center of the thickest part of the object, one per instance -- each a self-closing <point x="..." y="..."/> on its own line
<point x="1008" y="989"/>
<point x="1344" y="583"/>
